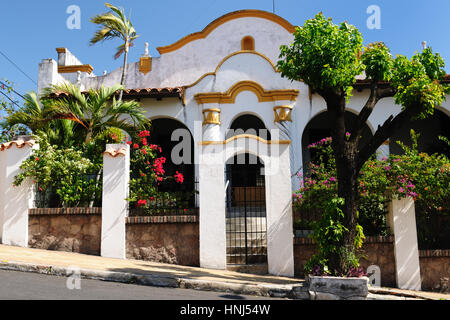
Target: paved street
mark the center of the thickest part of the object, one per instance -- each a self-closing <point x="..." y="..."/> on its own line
<point x="29" y="286"/>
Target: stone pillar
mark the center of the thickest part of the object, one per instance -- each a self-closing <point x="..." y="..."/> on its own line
<point x="280" y="247"/>
<point x="116" y="176"/>
<point x="15" y="200"/>
<point x="402" y="222"/>
<point x="212" y="209"/>
<point x="211" y="124"/>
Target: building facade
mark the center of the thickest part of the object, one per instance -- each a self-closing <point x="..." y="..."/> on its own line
<point x="225" y="77"/>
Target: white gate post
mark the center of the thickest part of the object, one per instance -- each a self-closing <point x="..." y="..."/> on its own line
<point x="15" y="200"/>
<point x="402" y="221"/>
<point x="116" y="176"/>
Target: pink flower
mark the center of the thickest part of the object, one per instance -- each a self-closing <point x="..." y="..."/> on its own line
<point x="401" y="190"/>
<point x="333" y="179"/>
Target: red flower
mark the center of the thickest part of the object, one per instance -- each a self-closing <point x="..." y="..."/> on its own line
<point x="144" y="142"/>
<point x="144" y="134"/>
<point x="179" y="177"/>
<point x="152" y="198"/>
<point x="144" y="151"/>
<point x="129" y="143"/>
<point x="37" y="159"/>
<point x="136" y="146"/>
<point x="142" y="203"/>
<point x="143" y="174"/>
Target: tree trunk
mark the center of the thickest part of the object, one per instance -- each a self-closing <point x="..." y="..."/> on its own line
<point x="124" y="71"/>
<point x="346" y="157"/>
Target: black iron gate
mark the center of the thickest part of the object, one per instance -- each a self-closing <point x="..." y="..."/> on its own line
<point x="246" y="215"/>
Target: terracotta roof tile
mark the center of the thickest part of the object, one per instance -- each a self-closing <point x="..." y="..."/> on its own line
<point x="116" y="152"/>
<point x="18" y="143"/>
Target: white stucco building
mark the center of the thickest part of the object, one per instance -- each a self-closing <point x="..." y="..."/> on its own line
<point x="224" y="77"/>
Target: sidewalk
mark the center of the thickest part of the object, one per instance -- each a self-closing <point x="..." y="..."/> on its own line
<point x="158" y="274"/>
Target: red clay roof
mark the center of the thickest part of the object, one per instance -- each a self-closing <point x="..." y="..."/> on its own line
<point x="177" y="92"/>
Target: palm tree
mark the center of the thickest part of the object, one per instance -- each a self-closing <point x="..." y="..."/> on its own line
<point x="96" y="111"/>
<point x="113" y="25"/>
<point x="32" y="114"/>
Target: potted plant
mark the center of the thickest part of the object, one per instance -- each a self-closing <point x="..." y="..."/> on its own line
<point x="350" y="281"/>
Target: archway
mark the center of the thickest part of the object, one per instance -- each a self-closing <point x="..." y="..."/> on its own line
<point x="249" y="124"/>
<point x="246" y="219"/>
<point x="319" y="128"/>
<point x="429" y="129"/>
<point x="161" y="134"/>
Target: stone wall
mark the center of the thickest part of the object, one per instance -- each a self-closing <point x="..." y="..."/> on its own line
<point x="376" y="250"/>
<point x="435" y="270"/>
<point x="169" y="239"/>
<point x="72" y="230"/>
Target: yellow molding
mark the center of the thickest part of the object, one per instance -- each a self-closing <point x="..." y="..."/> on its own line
<point x="228" y="57"/>
<point x="228" y="17"/>
<point x="244" y="136"/>
<point x="145" y="65"/>
<point x="72" y="69"/>
<point x="61" y="50"/>
<point x="257" y="89"/>
<point x="387" y="142"/>
<point x="283" y="113"/>
<point x="211" y="116"/>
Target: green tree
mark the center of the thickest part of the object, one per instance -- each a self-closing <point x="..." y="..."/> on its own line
<point x="328" y="57"/>
<point x="115" y="24"/>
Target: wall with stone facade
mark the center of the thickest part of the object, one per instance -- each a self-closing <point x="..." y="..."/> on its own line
<point x="169" y="239"/>
<point x="376" y="251"/>
<point x="72" y="230"/>
<point x="435" y="270"/>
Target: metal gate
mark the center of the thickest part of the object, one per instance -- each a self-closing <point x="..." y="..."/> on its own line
<point x="246" y="215"/>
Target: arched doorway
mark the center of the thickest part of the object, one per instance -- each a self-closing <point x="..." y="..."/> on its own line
<point x="248" y="124"/>
<point x="246" y="222"/>
<point x="319" y="128"/>
<point x="161" y="134"/>
<point x="429" y="129"/>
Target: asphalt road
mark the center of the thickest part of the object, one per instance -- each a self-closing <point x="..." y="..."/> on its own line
<point x="31" y="286"/>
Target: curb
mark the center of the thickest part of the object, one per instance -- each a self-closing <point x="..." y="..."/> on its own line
<point x="297" y="292"/>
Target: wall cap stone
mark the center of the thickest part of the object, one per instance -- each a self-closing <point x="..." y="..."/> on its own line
<point x="64" y="211"/>
<point x="161" y="219"/>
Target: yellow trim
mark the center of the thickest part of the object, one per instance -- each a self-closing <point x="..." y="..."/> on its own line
<point x="211" y="116"/>
<point x="230" y="95"/>
<point x="145" y="65"/>
<point x="61" y="50"/>
<point x="284" y="114"/>
<point x="228" y="17"/>
<point x="387" y="142"/>
<point x="244" y="136"/>
<point x="228" y="57"/>
<point x="72" y="69"/>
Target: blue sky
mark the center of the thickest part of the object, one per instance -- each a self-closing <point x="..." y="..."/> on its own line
<point x="31" y="30"/>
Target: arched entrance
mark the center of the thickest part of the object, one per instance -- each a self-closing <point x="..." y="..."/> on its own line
<point x="246" y="219"/>
<point x="248" y="124"/>
<point x="429" y="129"/>
<point x="319" y="128"/>
<point x="161" y="134"/>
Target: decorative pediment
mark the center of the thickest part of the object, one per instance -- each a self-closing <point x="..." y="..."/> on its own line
<point x="257" y="89"/>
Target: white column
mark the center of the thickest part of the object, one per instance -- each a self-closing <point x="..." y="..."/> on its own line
<point x="402" y="221"/>
<point x="116" y="176"/>
<point x="15" y="200"/>
<point x="212" y="209"/>
<point x="280" y="248"/>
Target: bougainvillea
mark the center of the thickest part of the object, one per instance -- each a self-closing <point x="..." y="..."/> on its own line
<point x="423" y="177"/>
<point x="148" y="174"/>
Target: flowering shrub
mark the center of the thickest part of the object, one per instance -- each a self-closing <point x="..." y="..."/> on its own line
<point x="426" y="178"/>
<point x="147" y="174"/>
<point x="63" y="177"/>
